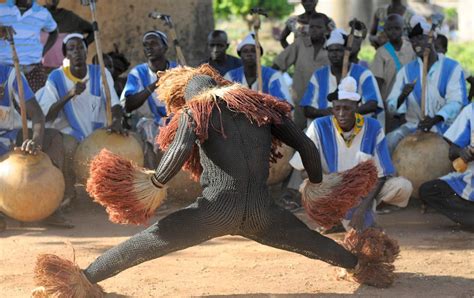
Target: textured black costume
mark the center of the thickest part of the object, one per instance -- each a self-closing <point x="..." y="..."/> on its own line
<point x="235" y="199"/>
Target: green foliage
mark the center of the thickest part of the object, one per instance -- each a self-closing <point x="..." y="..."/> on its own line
<point x="223" y="9"/>
<point x="450" y="14"/>
<point x="463" y="53"/>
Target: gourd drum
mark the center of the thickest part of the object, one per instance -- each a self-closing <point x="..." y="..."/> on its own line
<point x="31" y="187"/>
<point x="421" y="157"/>
<point x="125" y="146"/>
<point x="282" y="168"/>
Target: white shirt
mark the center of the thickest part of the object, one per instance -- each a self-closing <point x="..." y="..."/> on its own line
<point x="85" y="112"/>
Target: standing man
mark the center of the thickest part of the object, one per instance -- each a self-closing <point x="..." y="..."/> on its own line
<point x="139" y="96"/>
<point x="453" y="194"/>
<point x="345" y="139"/>
<point x="325" y="80"/>
<point x="307" y="55"/>
<point x="298" y="25"/>
<point x="217" y="45"/>
<point x="28" y="19"/>
<point x="273" y="81"/>
<point x="68" y="22"/>
<point x="445" y="89"/>
<point x="389" y="59"/>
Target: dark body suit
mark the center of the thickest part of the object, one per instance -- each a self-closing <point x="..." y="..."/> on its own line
<point x="235" y="199"/>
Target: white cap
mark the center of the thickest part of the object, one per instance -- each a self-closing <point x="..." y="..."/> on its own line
<point x="347" y="89"/>
<point x="417" y="19"/>
<point x="336" y="37"/>
<point x="248" y="40"/>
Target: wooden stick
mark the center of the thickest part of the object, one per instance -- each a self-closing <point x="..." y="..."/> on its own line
<point x="424" y="81"/>
<point x="21" y="90"/>
<point x="258" y="53"/>
<point x="105" y="83"/>
<point x="347" y="52"/>
<point x="179" y="51"/>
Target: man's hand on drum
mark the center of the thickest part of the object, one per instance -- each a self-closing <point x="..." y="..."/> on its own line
<point x="467" y="154"/>
<point x="30" y="146"/>
<point x="116" y="126"/>
<point x="427" y="123"/>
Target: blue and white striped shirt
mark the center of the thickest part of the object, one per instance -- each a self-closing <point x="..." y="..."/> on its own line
<point x="445" y="92"/>
<point x="461" y="133"/>
<point x="336" y="156"/>
<point x="28" y="28"/>
<point x="323" y="82"/>
<point x="10" y="118"/>
<point x="273" y="82"/>
<point x="137" y="80"/>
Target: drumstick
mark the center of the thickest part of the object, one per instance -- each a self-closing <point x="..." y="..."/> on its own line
<point x="21" y="91"/>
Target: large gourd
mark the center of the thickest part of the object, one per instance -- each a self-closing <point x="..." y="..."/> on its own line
<point x="31" y="188"/>
<point x="421" y="157"/>
<point x="125" y="146"/>
<point x="282" y="168"/>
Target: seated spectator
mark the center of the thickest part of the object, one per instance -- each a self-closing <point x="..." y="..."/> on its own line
<point x="446" y="89"/>
<point x="441" y="46"/>
<point x="139" y="97"/>
<point x="73" y="100"/>
<point x="39" y="139"/>
<point x="346" y="138"/>
<point x="453" y="195"/>
<point x="325" y="80"/>
<point x="273" y="81"/>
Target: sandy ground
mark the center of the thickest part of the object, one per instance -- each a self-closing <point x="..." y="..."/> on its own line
<point x="437" y="260"/>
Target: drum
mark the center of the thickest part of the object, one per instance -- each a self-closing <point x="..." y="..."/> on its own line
<point x="31" y="187"/>
<point x="282" y="168"/>
<point x="125" y="146"/>
<point x="421" y="157"/>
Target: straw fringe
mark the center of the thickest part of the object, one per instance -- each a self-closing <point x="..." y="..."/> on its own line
<point x="328" y="202"/>
<point x="61" y="278"/>
<point x="376" y="253"/>
<point x="123" y="188"/>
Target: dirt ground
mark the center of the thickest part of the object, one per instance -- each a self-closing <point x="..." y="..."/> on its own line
<point x="437" y="260"/>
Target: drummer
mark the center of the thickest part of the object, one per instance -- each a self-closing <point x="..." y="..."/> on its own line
<point x="139" y="97"/>
<point x="48" y="141"/>
<point x="453" y="194"/>
<point x="445" y="89"/>
<point x="345" y="139"/>
<point x="73" y="100"/>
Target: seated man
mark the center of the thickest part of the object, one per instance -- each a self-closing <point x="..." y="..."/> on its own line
<point x="139" y="96"/>
<point x="48" y="141"/>
<point x="273" y="81"/>
<point x="325" y="80"/>
<point x="74" y="100"/>
<point x="453" y="194"/>
<point x="441" y="47"/>
<point x="217" y="45"/>
<point x="347" y="138"/>
<point x="445" y="90"/>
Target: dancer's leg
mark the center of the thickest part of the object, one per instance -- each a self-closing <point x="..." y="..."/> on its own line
<point x="184" y="228"/>
<point x="287" y="232"/>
